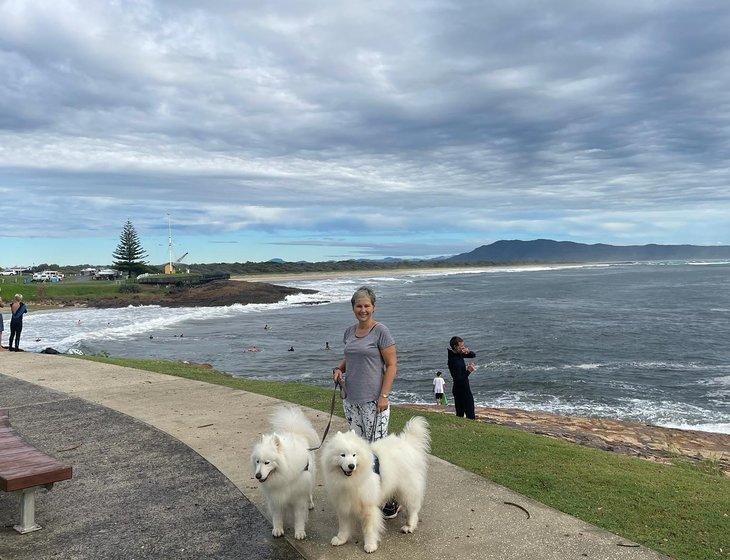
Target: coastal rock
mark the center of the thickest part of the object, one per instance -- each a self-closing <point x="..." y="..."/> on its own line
<point x="629" y="438"/>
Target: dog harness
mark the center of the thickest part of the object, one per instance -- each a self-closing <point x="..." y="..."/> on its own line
<point x="376" y="464"/>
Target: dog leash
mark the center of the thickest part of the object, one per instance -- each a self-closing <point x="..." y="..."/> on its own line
<point x="329" y="423"/>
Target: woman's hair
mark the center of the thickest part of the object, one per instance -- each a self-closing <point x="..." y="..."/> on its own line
<point x="454" y="342"/>
<point x="363" y="292"/>
<point x="18" y="297"/>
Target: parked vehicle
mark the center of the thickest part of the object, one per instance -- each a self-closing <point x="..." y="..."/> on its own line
<point x="47" y="276"/>
<point x="106" y="274"/>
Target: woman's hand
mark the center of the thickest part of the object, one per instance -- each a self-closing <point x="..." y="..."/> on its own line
<point x="383" y="403"/>
<point x="337" y="375"/>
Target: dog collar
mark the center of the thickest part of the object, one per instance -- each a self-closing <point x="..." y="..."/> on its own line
<point x="376" y="464"/>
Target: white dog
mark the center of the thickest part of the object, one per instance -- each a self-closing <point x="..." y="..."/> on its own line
<point x="357" y="492"/>
<point x="285" y="468"/>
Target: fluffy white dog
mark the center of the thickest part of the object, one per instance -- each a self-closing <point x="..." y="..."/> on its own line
<point x="285" y="469"/>
<point x="357" y="492"/>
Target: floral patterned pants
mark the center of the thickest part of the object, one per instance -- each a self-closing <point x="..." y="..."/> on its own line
<point x="362" y="416"/>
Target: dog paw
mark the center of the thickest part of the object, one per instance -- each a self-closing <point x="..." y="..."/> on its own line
<point x="337" y="541"/>
<point x="370" y="547"/>
<point x="406" y="529"/>
<point x="277" y="531"/>
<point x="300" y="535"/>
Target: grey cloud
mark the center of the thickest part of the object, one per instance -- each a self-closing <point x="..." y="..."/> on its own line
<point x="480" y="118"/>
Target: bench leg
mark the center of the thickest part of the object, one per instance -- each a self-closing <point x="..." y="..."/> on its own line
<point x="27" y="512"/>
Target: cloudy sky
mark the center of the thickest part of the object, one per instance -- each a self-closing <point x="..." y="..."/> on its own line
<point x="321" y="130"/>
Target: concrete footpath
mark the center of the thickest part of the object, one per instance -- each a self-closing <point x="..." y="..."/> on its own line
<point x="464" y="515"/>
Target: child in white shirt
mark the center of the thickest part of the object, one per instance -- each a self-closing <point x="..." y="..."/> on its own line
<point x="438" y="388"/>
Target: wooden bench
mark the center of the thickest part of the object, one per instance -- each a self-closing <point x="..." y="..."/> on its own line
<point x="23" y="469"/>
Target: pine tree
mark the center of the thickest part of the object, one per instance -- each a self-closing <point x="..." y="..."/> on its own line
<point x="129" y="254"/>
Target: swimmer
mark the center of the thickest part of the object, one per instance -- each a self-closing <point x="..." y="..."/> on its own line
<point x="327" y="346"/>
<point x="291" y="349"/>
<point x="266" y="327"/>
<point x="253" y="349"/>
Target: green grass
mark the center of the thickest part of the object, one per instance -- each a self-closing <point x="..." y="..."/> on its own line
<point x="60" y="291"/>
<point x="679" y="510"/>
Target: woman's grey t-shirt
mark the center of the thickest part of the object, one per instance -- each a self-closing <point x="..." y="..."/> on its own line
<point x="364" y="364"/>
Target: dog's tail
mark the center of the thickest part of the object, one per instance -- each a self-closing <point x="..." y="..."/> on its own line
<point x="416" y="431"/>
<point x="292" y="419"/>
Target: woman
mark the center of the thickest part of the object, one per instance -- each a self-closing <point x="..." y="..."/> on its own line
<point x="366" y="374"/>
<point x="2" y="325"/>
<point x="463" y="399"/>
<point x="18" y="309"/>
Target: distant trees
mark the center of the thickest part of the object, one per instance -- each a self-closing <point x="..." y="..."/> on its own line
<point x="129" y="255"/>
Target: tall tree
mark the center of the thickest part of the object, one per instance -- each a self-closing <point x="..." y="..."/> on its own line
<point x="129" y="254"/>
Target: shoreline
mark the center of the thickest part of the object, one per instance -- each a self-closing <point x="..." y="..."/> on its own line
<point x="646" y="441"/>
<point x="219" y="293"/>
<point x="336" y="274"/>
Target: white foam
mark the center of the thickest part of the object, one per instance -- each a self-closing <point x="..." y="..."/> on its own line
<point x="720" y="428"/>
<point x="660" y="413"/>
<point x="63" y="331"/>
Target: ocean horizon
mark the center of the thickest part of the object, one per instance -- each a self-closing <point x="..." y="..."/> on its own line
<point x="631" y="341"/>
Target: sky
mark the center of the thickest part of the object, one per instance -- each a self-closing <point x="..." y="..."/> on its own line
<point x="328" y="130"/>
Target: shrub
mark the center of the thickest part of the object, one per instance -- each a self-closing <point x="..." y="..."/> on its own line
<point x="129" y="289"/>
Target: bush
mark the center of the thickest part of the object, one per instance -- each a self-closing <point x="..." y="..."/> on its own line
<point x="129" y="289"/>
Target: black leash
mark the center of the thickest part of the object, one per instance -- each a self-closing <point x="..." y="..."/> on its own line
<point x="329" y="423"/>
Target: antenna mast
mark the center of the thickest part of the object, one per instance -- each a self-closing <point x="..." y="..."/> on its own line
<point x="169" y="239"/>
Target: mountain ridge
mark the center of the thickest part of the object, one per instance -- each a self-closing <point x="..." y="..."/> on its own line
<point x="548" y="250"/>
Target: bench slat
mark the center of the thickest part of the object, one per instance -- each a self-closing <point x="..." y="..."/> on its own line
<point x="23" y="466"/>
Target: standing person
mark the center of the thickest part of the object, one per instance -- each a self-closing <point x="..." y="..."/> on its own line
<point x="366" y="374"/>
<point x="18" y="309"/>
<point x="438" y="388"/>
<point x="463" y="399"/>
<point x="2" y="325"/>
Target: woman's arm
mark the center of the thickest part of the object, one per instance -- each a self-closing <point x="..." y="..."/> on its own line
<point x="391" y="367"/>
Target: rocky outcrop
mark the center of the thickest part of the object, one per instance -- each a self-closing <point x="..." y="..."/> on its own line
<point x="630" y="438"/>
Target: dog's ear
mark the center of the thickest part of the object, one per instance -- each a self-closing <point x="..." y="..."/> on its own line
<point x="277" y="441"/>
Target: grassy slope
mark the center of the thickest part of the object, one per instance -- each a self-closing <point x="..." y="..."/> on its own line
<point x="678" y="510"/>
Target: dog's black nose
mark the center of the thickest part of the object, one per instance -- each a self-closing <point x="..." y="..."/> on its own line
<point x="258" y="475"/>
<point x="351" y="467"/>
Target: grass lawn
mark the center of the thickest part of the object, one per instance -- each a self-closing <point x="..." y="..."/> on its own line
<point x="59" y="291"/>
<point x="680" y="510"/>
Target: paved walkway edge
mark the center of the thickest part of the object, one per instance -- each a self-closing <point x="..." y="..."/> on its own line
<point x="464" y="515"/>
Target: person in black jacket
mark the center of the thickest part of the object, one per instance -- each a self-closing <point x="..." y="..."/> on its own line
<point x="463" y="399"/>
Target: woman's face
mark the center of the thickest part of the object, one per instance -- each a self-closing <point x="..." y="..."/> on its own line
<point x="363" y="309"/>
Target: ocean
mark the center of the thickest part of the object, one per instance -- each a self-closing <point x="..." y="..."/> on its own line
<point x="636" y="341"/>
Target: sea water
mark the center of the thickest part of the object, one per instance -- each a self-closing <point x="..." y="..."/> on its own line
<point x="638" y="341"/>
